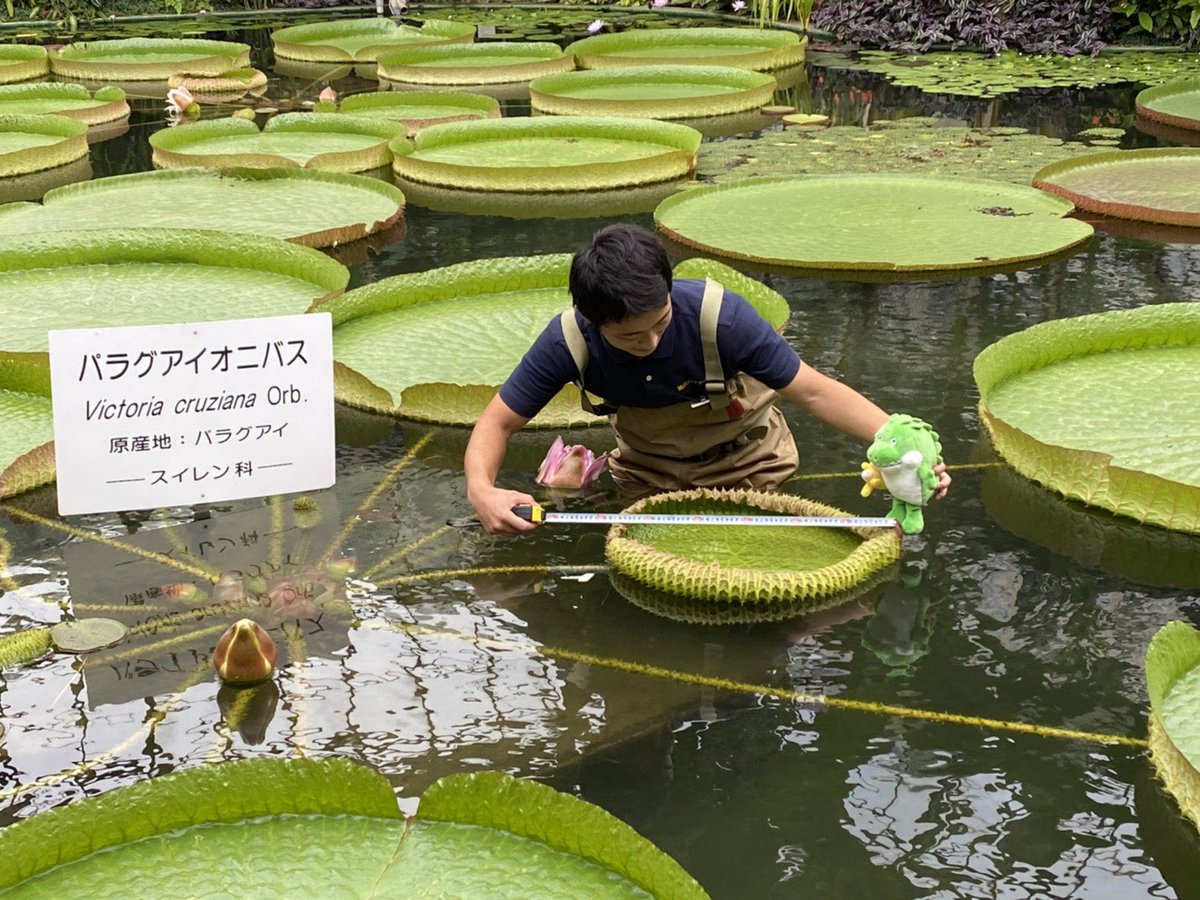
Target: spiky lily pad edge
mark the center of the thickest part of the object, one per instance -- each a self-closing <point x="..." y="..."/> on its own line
<point x="21" y="62"/>
<point x="212" y="58"/>
<point x="23" y="646"/>
<point x="1086" y="475"/>
<point x="71" y="144"/>
<point x="687" y="577"/>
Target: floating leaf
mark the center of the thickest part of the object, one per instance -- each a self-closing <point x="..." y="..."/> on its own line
<point x="1161" y="184"/>
<point x="86" y="635"/>
<point x="71" y="100"/>
<point x="362" y="39"/>
<point x="228" y="86"/>
<point x="328" y="141"/>
<point x="657" y="92"/>
<point x="1134" y="453"/>
<point x="1173" y="682"/>
<point x="34" y="143"/>
<point x="549" y="154"/>
<point x="745" y="48"/>
<point x="26" y="423"/>
<point x="496" y="62"/>
<point x="880" y="222"/>
<point x="147" y="59"/>
<point x="20" y="62"/>
<point x="420" y="109"/>
<point x="307" y="206"/>
<point x="741" y="564"/>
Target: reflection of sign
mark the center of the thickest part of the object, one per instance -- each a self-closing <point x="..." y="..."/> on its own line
<point x="267" y="559"/>
<point x="168" y="415"/>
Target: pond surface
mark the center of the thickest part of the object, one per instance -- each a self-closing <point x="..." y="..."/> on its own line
<point x="1013" y="606"/>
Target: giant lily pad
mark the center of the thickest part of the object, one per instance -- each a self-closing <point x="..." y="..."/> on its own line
<point x="88" y="279"/>
<point x="549" y="154"/>
<point x="1160" y="184"/>
<point x="33" y="143"/>
<point x="309" y="207"/>
<point x="147" y="59"/>
<point x="328" y="141"/>
<point x="26" y="423"/>
<point x="436" y="345"/>
<point x="1134" y="453"/>
<point x="492" y="63"/>
<point x="362" y="39"/>
<point x="1176" y="103"/>
<point x="1173" y="683"/>
<point x="71" y="100"/>
<point x="226" y="87"/>
<point x="748" y="564"/>
<point x="419" y="109"/>
<point x="221" y="826"/>
<point x="20" y="62"/>
<point x="871" y="222"/>
<point x="746" y="48"/>
<point x="657" y="92"/>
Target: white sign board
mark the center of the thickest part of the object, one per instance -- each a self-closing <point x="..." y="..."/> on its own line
<point x="171" y="415"/>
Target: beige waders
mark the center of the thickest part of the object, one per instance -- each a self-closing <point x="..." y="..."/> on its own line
<point x="736" y="438"/>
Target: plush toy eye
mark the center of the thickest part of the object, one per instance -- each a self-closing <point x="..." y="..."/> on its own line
<point x="893" y="440"/>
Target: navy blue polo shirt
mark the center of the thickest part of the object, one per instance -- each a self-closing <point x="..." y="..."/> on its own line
<point x="673" y="373"/>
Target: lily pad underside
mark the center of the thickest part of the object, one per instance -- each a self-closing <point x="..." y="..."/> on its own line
<point x="64" y="99"/>
<point x="21" y="62"/>
<point x="328" y="141"/>
<point x="657" y="92"/>
<point x="549" y="154"/>
<point x="1173" y="683"/>
<point x="1160" y="184"/>
<point x="436" y="345"/>
<point x="94" y="279"/>
<point x="745" y="48"/>
<point x="484" y="834"/>
<point x="418" y="109"/>
<point x="26" y="423"/>
<point x="35" y="143"/>
<point x="147" y="59"/>
<point x="871" y="222"/>
<point x="305" y="206"/>
<point x="1176" y="103"/>
<point x="1133" y="452"/>
<point x="492" y="63"/>
<point x="362" y="40"/>
<point x="760" y="564"/>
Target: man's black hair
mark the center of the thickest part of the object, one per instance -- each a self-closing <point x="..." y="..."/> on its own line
<point x="623" y="272"/>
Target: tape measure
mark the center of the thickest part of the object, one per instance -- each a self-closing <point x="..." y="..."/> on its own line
<point x="540" y="515"/>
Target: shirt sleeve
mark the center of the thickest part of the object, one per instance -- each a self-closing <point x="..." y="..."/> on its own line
<point x="749" y="344"/>
<point x="544" y="370"/>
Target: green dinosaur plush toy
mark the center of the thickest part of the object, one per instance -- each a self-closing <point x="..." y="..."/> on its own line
<point x="903" y="456"/>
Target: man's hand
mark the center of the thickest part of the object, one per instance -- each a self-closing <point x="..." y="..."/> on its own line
<point x="494" y="506"/>
<point x="943" y="481"/>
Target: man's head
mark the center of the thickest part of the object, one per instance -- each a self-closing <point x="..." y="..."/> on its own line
<point x="622" y="274"/>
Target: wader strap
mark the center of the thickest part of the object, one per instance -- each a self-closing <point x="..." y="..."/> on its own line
<point x="579" y="352"/>
<point x="714" y="375"/>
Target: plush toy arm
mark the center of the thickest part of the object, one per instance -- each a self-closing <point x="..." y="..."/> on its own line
<point x="873" y="480"/>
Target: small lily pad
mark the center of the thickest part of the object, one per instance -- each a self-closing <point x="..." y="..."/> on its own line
<point x="86" y="635"/>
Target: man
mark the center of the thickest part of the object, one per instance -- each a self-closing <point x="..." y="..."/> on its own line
<point x="687" y="373"/>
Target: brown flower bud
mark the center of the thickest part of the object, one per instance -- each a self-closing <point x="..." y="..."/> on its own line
<point x="244" y="654"/>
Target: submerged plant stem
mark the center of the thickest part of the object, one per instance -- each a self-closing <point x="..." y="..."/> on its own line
<point x="442" y="574"/>
<point x="397" y="555"/>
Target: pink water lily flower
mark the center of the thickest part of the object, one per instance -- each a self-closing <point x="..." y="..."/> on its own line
<point x="180" y="102"/>
<point x="596" y="26"/>
<point x="573" y="466"/>
<point x="659" y="3"/>
<point x="738" y="5"/>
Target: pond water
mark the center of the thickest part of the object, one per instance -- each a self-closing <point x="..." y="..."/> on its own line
<point x="1012" y="606"/>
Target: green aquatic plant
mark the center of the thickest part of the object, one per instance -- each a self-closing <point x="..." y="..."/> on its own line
<point x="34" y="143"/>
<point x="1161" y="184"/>
<point x="23" y="647"/>
<point x="745" y="48"/>
<point x="1176" y="103"/>
<point x="27" y="435"/>
<point x="362" y="40"/>
<point x="147" y="59"/>
<point x="495" y="62"/>
<point x="748" y="565"/>
<point x="871" y="222"/>
<point x="305" y="206"/>
<point x="21" y="62"/>
<point x="968" y="74"/>
<point x="229" y="85"/>
<point x="417" y="109"/>
<point x="1131" y="455"/>
<point x="71" y="100"/>
<point x="549" y="154"/>
<point x="1173" y="683"/>
<point x="327" y="141"/>
<point x="657" y="92"/>
<point x="472" y="834"/>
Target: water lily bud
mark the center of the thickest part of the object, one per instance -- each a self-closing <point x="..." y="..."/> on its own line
<point x="570" y="466"/>
<point x="244" y="654"/>
<point x="327" y="95"/>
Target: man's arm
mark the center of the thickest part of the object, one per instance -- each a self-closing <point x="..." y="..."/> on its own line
<point x="482" y="461"/>
<point x="840" y="406"/>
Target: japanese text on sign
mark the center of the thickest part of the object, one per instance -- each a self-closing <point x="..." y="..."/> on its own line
<point x="169" y="415"/>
